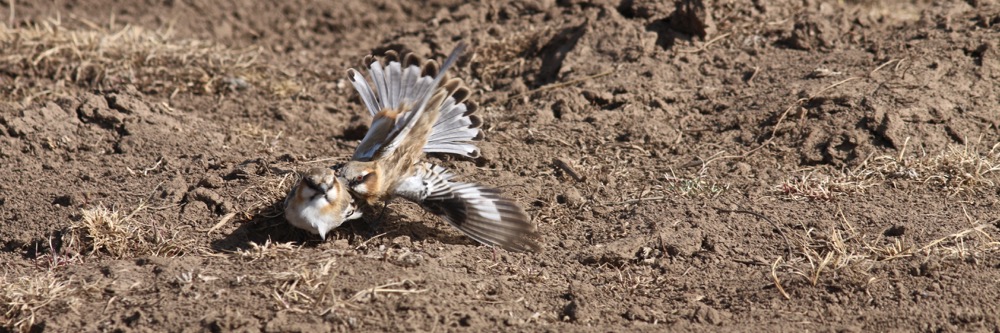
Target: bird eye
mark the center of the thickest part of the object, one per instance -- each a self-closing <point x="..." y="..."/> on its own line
<point x="359" y="179"/>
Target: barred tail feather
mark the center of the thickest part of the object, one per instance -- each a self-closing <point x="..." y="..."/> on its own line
<point x="367" y="94"/>
<point x="407" y="86"/>
<point x="393" y="84"/>
<point x="395" y="81"/>
<point x="379" y="79"/>
<point x="456" y="126"/>
<point x="405" y="91"/>
<point x="461" y="149"/>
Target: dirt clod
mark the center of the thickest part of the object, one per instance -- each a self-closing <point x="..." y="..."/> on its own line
<point x="694" y="17"/>
<point x="214" y="201"/>
<point x="571" y="197"/>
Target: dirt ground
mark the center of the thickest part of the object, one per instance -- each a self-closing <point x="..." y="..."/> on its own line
<point x="776" y="165"/>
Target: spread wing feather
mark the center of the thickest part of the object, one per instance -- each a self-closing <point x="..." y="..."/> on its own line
<point x="479" y="212"/>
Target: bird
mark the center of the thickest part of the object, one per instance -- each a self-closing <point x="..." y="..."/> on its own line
<point x="417" y="109"/>
<point x="320" y="202"/>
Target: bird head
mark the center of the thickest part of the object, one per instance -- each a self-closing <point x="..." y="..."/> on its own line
<point x="362" y="177"/>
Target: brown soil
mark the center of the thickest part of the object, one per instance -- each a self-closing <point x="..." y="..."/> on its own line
<point x="779" y="165"/>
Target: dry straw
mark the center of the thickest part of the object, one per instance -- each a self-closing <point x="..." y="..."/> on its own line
<point x="119" y="235"/>
<point x="153" y="61"/>
<point x="957" y="169"/>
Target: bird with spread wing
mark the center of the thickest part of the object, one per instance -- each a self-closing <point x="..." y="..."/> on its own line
<point x="417" y="109"/>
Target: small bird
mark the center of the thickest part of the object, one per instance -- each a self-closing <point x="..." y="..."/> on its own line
<point x="320" y="202"/>
<point x="414" y="113"/>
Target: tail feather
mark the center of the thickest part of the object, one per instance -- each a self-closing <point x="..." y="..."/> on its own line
<point x="378" y="77"/>
<point x="455" y="127"/>
<point x="457" y="149"/>
<point x="409" y="82"/>
<point x="372" y="102"/>
<point x="394" y="85"/>
<point x="449" y="138"/>
<point x="458" y="115"/>
<point x="479" y="212"/>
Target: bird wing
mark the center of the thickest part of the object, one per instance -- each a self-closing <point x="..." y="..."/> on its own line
<point x="478" y="211"/>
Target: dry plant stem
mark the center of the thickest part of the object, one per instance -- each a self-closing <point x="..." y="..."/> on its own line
<point x="960" y="234"/>
<point x="10" y="21"/>
<point x="638" y="200"/>
<point x="707" y="44"/>
<point x="568" y="168"/>
<point x="373" y="291"/>
<point x="221" y="222"/>
<point x="777" y="282"/>
<point x="887" y="63"/>
<point x="369" y="240"/>
<point x="756" y="69"/>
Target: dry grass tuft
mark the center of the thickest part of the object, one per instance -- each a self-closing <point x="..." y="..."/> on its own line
<point x="848" y="254"/>
<point x="121" y="236"/>
<point x="269" y="250"/>
<point x="23" y="298"/>
<point x="978" y="238"/>
<point x="303" y="288"/>
<point x="153" y="61"/>
<point x="842" y="252"/>
<point x="401" y="287"/>
<point x="957" y="169"/>
<point x="311" y="286"/>
<point x="816" y="186"/>
<point x="697" y="186"/>
<point x="307" y="286"/>
<point x="266" y="140"/>
<point x="265" y="198"/>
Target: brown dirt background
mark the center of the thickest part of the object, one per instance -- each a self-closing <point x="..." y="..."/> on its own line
<point x="859" y="134"/>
